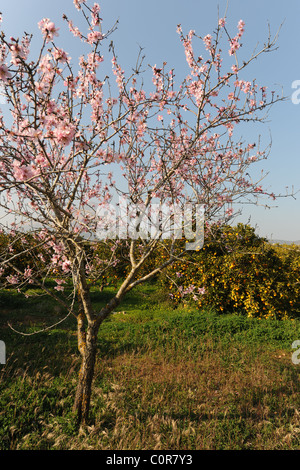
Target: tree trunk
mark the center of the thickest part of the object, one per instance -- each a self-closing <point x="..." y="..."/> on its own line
<point x="87" y="344"/>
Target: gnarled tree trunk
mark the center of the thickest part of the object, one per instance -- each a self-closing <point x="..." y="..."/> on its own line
<point x="88" y="324"/>
<point x="87" y="332"/>
<point x="87" y="345"/>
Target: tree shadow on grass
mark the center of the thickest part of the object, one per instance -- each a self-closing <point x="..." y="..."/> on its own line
<point x="54" y="350"/>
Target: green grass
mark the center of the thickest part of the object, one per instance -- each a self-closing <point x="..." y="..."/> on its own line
<point x="165" y="378"/>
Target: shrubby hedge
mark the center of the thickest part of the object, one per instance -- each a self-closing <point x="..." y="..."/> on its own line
<point x="239" y="272"/>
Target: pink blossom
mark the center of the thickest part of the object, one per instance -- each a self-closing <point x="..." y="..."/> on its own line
<point x="201" y="290"/>
<point x="94" y="36"/>
<point x="4" y="73"/>
<point x="42" y="234"/>
<point x="58" y="248"/>
<point x="60" y="55"/>
<point x="96" y="8"/>
<point x="23" y="172"/>
<point x="64" y="133"/>
<point x="55" y="259"/>
<point x="230" y="127"/>
<point x="196" y="89"/>
<point x="234" y="46"/>
<point x="119" y="74"/>
<point x="66" y="266"/>
<point x="95" y="14"/>
<point x="239" y="83"/>
<point x="247" y="87"/>
<point x="48" y="29"/>
<point x="41" y="160"/>
<point x="59" y="288"/>
<point x="74" y="30"/>
<point x="77" y="3"/>
<point x="189" y="54"/>
<point x="222" y="22"/>
<point x="59" y="283"/>
<point x="179" y="29"/>
<point x="207" y="41"/>
<point x="142" y="126"/>
<point x="171" y="94"/>
<point x="42" y="258"/>
<point x="41" y="87"/>
<point x="17" y="52"/>
<point x="241" y="29"/>
<point x="45" y="64"/>
<point x="12" y="279"/>
<point x="28" y="273"/>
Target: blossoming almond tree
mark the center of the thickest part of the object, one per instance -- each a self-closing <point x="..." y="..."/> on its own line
<point x="76" y="139"/>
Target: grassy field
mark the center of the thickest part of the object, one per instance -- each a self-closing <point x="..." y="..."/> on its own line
<point x="165" y="379"/>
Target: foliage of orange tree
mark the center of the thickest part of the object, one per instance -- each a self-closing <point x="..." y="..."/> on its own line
<point x="237" y="271"/>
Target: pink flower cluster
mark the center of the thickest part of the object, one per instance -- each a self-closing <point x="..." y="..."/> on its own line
<point x="12" y="279"/>
<point x="191" y="289"/>
<point x="4" y="73"/>
<point x="78" y="3"/>
<point x="19" y="50"/>
<point x="94" y="36"/>
<point x="23" y="172"/>
<point x="60" y="55"/>
<point x="234" y="46"/>
<point x="234" y="43"/>
<point x="241" y="28"/>
<point x="60" y="283"/>
<point x="207" y="41"/>
<point x="119" y="73"/>
<point x="74" y="30"/>
<point x="196" y="89"/>
<point x="95" y="15"/>
<point x="189" y="53"/>
<point x="48" y="29"/>
<point x="64" y="133"/>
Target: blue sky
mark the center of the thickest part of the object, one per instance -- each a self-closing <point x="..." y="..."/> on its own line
<point x="152" y="25"/>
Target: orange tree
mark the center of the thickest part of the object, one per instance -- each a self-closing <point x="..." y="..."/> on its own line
<point x="237" y="271"/>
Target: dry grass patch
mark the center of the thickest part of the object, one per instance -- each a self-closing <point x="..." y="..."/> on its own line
<point x="202" y="403"/>
<point x="164" y="379"/>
